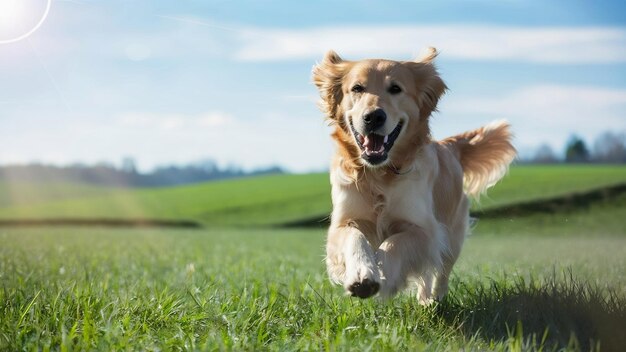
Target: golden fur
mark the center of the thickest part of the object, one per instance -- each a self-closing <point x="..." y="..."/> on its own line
<point x="400" y="213"/>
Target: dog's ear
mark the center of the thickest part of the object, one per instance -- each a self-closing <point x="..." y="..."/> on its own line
<point x="427" y="56"/>
<point x="331" y="57"/>
<point x="429" y="85"/>
<point x="327" y="76"/>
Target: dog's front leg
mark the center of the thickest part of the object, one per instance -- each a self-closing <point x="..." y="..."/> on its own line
<point x="351" y="262"/>
<point x="410" y="253"/>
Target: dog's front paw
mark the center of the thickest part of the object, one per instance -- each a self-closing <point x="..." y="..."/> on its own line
<point x="363" y="282"/>
<point x="362" y="275"/>
<point x="364" y="289"/>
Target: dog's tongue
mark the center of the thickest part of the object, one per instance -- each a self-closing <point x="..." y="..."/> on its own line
<point x="373" y="142"/>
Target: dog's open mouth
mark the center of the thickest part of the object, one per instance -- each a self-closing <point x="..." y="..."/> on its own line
<point x="374" y="147"/>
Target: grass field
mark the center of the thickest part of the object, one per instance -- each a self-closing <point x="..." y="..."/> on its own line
<point x="106" y="289"/>
<point x="271" y="200"/>
<point x="550" y="281"/>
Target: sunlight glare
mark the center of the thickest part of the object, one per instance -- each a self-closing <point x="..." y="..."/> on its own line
<point x="17" y="21"/>
<point x="11" y="13"/>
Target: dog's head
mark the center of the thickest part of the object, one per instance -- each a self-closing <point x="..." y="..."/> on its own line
<point x="380" y="107"/>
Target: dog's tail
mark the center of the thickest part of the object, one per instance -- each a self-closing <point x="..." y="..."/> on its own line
<point x="485" y="155"/>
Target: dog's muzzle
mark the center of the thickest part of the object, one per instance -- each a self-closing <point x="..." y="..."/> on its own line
<point x="375" y="147"/>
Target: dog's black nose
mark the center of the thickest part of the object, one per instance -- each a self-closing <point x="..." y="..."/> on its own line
<point x="374" y="120"/>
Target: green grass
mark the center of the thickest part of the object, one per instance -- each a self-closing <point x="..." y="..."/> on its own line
<point x="538" y="282"/>
<point x="532" y="182"/>
<point x="597" y="220"/>
<point x="249" y="201"/>
<point x="105" y="289"/>
<point x="274" y="200"/>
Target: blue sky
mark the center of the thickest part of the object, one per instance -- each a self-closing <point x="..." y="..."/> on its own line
<point x="180" y="81"/>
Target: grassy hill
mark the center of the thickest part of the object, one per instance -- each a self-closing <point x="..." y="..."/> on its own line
<point x="265" y="200"/>
<point x="250" y="201"/>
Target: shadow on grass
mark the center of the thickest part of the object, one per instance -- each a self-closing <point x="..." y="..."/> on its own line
<point x="554" y="314"/>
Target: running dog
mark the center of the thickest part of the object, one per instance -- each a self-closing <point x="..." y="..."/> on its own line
<point x="400" y="199"/>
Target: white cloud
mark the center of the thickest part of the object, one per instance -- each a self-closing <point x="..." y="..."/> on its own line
<point x="300" y="143"/>
<point x="558" y="100"/>
<point x="166" y="122"/>
<point x="567" y="45"/>
<point x="214" y="119"/>
<point x="542" y="113"/>
<point x="195" y="37"/>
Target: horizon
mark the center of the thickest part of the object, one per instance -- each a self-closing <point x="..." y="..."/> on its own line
<point x="538" y="157"/>
<point x="177" y="83"/>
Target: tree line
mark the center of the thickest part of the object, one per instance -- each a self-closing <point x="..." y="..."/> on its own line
<point x="609" y="148"/>
<point x="127" y="175"/>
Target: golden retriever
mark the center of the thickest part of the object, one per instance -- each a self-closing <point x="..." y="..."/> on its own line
<point x="400" y="206"/>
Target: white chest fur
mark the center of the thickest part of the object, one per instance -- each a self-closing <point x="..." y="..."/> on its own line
<point x="379" y="199"/>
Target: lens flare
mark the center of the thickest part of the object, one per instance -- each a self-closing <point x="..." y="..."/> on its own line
<point x="12" y="12"/>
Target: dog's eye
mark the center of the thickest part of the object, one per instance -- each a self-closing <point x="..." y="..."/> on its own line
<point x="357" y="88"/>
<point x="394" y="89"/>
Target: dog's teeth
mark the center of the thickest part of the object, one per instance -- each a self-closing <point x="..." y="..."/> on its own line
<point x="386" y="139"/>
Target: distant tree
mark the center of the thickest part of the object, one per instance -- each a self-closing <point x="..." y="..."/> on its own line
<point x="610" y="147"/>
<point x="104" y="165"/>
<point x="576" y="151"/>
<point x="545" y="155"/>
<point x="129" y="165"/>
<point x="206" y="165"/>
<point x="105" y="173"/>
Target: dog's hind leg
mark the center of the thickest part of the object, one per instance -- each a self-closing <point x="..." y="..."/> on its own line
<point x="441" y="279"/>
<point x="351" y="262"/>
<point x="457" y="233"/>
<point x="425" y="289"/>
